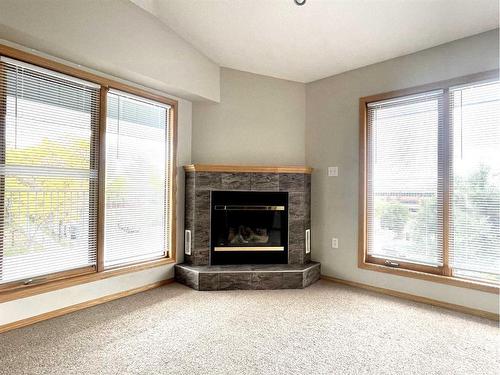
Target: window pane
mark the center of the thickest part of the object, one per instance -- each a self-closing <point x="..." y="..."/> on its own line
<point x="48" y="174"/>
<point x="403" y="187"/>
<point x="475" y="198"/>
<point x="136" y="180"/>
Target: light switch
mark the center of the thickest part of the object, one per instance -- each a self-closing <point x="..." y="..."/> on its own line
<point x="333" y="171"/>
<point x="335" y="243"/>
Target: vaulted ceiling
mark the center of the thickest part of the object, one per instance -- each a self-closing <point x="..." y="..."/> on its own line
<point x="323" y="37"/>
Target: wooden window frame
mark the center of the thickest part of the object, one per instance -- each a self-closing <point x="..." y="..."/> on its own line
<point x="60" y="280"/>
<point x="435" y="274"/>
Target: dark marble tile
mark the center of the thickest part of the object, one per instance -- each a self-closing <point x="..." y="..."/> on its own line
<point x="201" y="235"/>
<point x="312" y="275"/>
<point x="307" y="202"/>
<point x="296" y="233"/>
<point x="208" y="281"/>
<point x="189" y="217"/>
<point x="295" y="255"/>
<point x="186" y="277"/>
<point x="293" y="280"/>
<point x="296" y="242"/>
<point x="251" y="268"/>
<point x="207" y="181"/>
<point x="189" y="213"/>
<point x="200" y="256"/>
<point x="236" y="181"/>
<point x="292" y="182"/>
<point x="267" y="280"/>
<point x="189" y="182"/>
<point x="265" y="182"/>
<point x="240" y="280"/>
<point x="218" y="277"/>
<point x="189" y="201"/>
<point x="202" y="202"/>
<point x="297" y="207"/>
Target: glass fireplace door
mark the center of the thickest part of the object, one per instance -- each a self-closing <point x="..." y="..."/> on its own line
<point x="249" y="227"/>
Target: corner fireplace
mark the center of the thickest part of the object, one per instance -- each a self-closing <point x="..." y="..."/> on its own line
<point x="249" y="227"/>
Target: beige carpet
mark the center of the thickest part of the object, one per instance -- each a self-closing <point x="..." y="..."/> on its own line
<point x="324" y="329"/>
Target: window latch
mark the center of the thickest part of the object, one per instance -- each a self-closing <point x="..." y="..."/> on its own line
<point x="391" y="264"/>
<point x="33" y="281"/>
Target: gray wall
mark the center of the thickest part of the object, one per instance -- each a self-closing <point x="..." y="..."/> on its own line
<point x="259" y="120"/>
<point x="332" y="140"/>
<point x="103" y="35"/>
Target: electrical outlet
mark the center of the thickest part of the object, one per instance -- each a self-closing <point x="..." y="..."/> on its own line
<point x="335" y="243"/>
<point x="333" y="171"/>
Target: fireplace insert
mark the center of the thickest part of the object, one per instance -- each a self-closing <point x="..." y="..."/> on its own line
<point x="249" y="227"/>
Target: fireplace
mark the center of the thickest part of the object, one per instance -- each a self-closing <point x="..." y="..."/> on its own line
<point x="249" y="227"/>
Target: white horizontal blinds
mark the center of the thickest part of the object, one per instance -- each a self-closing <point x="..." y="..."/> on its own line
<point x="475" y="174"/>
<point x="404" y="191"/>
<point x="48" y="172"/>
<point x="136" y="179"/>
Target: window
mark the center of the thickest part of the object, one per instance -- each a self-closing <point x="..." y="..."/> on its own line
<point x="48" y="177"/>
<point x="475" y="181"/>
<point x="431" y="172"/>
<point x="137" y="163"/>
<point x="403" y="181"/>
<point x="81" y="192"/>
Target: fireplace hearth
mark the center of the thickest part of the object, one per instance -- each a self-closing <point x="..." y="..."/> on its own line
<point x="247" y="228"/>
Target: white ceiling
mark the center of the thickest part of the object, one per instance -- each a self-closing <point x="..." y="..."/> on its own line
<point x="321" y="38"/>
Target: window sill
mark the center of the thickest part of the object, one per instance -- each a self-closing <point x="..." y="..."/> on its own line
<point x="462" y="283"/>
<point x="30" y="290"/>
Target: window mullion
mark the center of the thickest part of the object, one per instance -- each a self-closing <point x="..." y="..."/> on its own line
<point x="101" y="177"/>
<point x="444" y="168"/>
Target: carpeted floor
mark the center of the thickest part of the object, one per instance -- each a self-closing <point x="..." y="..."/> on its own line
<point x="325" y="329"/>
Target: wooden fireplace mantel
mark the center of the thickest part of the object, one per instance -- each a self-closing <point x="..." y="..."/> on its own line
<point x="246" y="168"/>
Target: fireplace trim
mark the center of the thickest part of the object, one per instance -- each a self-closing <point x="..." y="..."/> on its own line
<point x="249" y="248"/>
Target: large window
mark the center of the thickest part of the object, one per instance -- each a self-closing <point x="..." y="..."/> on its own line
<point x="48" y="172"/>
<point x="474" y="239"/>
<point x="81" y="191"/>
<point x="136" y="179"/>
<point x="431" y="172"/>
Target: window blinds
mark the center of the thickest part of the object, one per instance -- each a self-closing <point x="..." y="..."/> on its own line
<point x="137" y="164"/>
<point x="48" y="171"/>
<point x="474" y="239"/>
<point x="404" y="196"/>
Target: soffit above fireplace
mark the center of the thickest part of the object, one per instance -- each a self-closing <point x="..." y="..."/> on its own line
<point x="247" y="168"/>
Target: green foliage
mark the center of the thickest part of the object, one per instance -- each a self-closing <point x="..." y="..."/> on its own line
<point x="393" y="216"/>
<point x="476" y="216"/>
<point x="33" y="203"/>
<point x="424" y="224"/>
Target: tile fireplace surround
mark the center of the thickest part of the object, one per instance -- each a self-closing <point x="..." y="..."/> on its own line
<point x="197" y="271"/>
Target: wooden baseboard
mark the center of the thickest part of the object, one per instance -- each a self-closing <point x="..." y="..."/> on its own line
<point x="414" y="298"/>
<point x="81" y="306"/>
